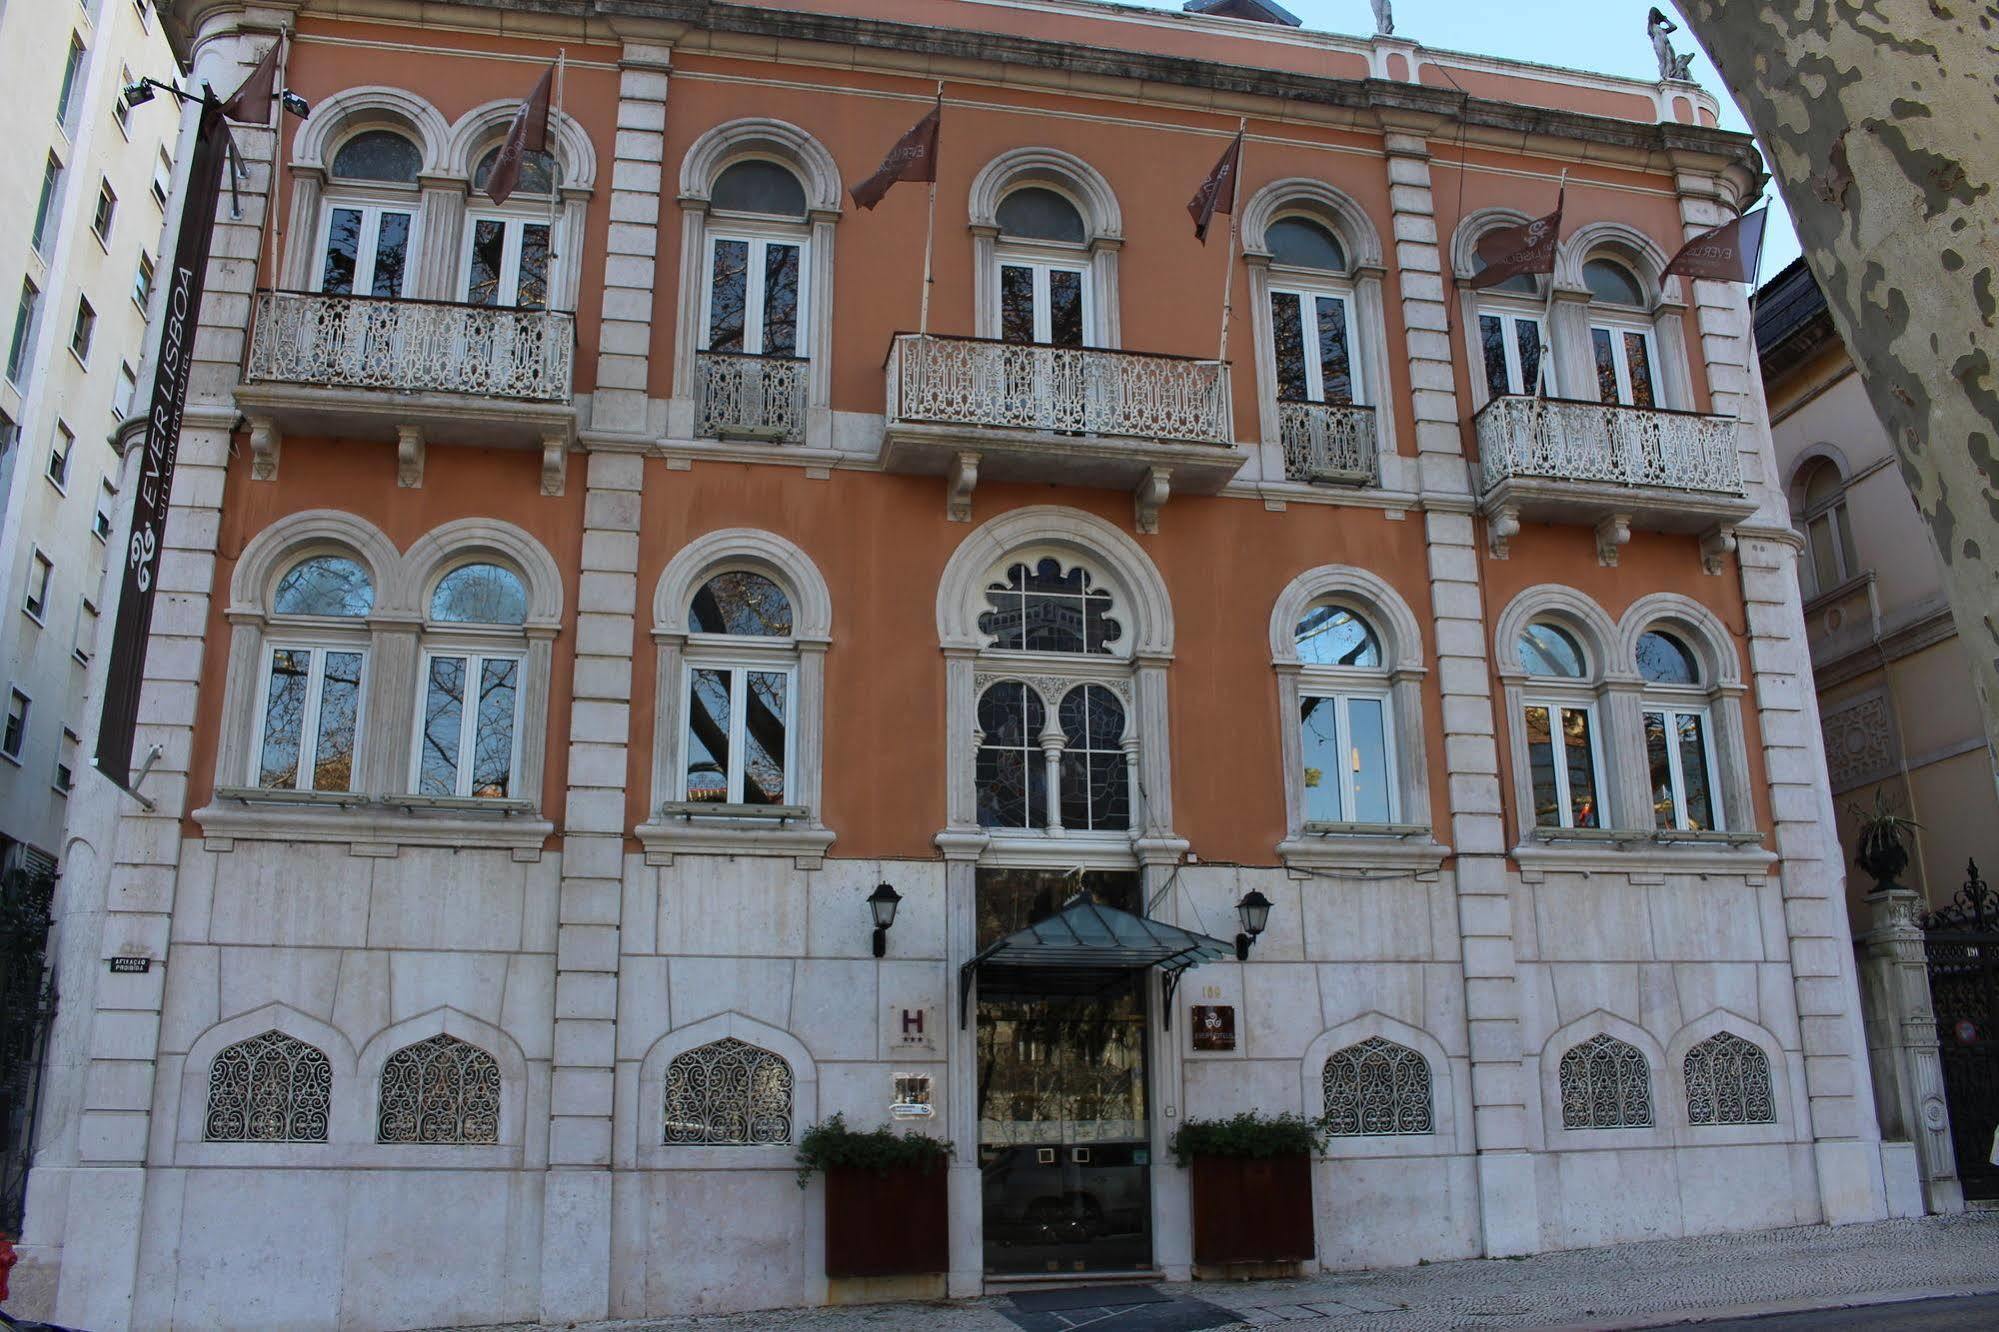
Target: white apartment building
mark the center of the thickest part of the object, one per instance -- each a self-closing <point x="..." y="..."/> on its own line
<point x="80" y="231"/>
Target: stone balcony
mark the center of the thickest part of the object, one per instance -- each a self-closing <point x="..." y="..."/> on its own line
<point x="750" y="397"/>
<point x="409" y="371"/>
<point x="975" y="409"/>
<point x="1616" y="469"/>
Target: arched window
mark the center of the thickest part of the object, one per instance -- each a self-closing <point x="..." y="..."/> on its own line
<point x="368" y="222"/>
<point x="727" y="1093"/>
<point x="1829" y="554"/>
<point x="1346" y="726"/>
<point x="1377" y="1087"/>
<point x="1094" y="774"/>
<point x="269" y="1088"/>
<point x="1679" y="735"/>
<point x="1621" y="333"/>
<point x="1039" y="606"/>
<point x="1044" y="270"/>
<point x="1313" y="337"/>
<point x="1512" y="336"/>
<point x="758" y="250"/>
<point x="315" y="659"/>
<point x="468" y="717"/>
<point x="509" y="258"/>
<point x="1728" y="1082"/>
<point x="1605" y="1084"/>
<point x="1564" y="752"/>
<point x="439" y="1090"/>
<point x="741" y="678"/>
<point x="1012" y="779"/>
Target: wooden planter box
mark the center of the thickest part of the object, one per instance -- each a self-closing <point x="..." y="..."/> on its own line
<point x="886" y="1223"/>
<point x="1253" y="1210"/>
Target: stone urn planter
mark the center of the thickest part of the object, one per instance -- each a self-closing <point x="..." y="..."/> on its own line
<point x="1881" y="848"/>
<point x="1252" y="1179"/>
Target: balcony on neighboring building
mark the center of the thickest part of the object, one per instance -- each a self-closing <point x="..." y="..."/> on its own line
<point x="1328" y="442"/>
<point x="976" y="409"/>
<point x="1614" y="468"/>
<point x="751" y="397"/>
<point x="411" y="371"/>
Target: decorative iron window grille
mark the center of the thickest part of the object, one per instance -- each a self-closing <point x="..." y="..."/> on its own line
<point x="727" y="1093"/>
<point x="439" y="1090"/>
<point x="1377" y="1087"/>
<point x="1728" y="1082"/>
<point x="269" y="1088"/>
<point x="1606" y="1084"/>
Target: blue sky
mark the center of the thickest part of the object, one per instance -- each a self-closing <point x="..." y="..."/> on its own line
<point x="1603" y="36"/>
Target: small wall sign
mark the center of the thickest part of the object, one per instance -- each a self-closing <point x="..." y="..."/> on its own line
<point x="131" y="966"/>
<point x="911" y="1028"/>
<point x="1214" y="1027"/>
<point x="912" y="1097"/>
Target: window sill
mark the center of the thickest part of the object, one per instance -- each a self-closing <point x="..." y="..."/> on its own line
<point x="1641" y="852"/>
<point x="695" y="828"/>
<point x="1363" y="850"/>
<point x="371" y="825"/>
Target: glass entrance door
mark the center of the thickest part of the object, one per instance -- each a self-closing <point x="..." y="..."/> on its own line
<point x="1064" y="1118"/>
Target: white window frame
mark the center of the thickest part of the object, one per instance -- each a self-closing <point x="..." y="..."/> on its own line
<point x="1341" y="693"/>
<point x="63" y="780"/>
<point x="759" y="237"/>
<point x="163" y="178"/>
<point x="476" y="655"/>
<point x="63" y="449"/>
<point x="15" y="691"/>
<point x="87" y="617"/>
<point x="1620" y="359"/>
<point x="1511" y="317"/>
<point x="315" y="686"/>
<point x="1671" y="711"/>
<point x="1839" y="531"/>
<point x="371" y="210"/>
<point x="1040" y="261"/>
<point x="515" y="224"/>
<point x="1564" y="805"/>
<point x="83" y="331"/>
<point x="104" y="518"/>
<point x="1308" y="285"/>
<point x="144" y="273"/>
<point x="41" y="564"/>
<point x="106" y="211"/>
<point x="702" y="657"/>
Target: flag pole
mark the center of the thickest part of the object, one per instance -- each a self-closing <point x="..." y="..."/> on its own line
<point x="554" y="180"/>
<point x="1235" y="208"/>
<point x="1541" y="367"/>
<point x="930" y="221"/>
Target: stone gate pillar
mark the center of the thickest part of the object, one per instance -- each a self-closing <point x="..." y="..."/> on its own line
<point x="1902" y="1041"/>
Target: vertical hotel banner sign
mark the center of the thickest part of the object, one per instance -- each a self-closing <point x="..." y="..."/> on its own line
<point x="173" y="359"/>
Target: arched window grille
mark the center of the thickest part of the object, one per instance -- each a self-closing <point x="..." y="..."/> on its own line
<point x="1728" y="1082"/>
<point x="269" y="1088"/>
<point x="727" y="1093"/>
<point x="1606" y="1084"/>
<point x="439" y="1090"/>
<point x="1377" y="1087"/>
<point x="313" y="674"/>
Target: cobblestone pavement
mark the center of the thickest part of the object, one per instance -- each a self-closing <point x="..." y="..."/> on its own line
<point x="1649" y="1284"/>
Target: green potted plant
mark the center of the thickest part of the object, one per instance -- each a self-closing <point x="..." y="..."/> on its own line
<point x="886" y="1213"/>
<point x="1881" y="848"/>
<point x="1252" y="1179"/>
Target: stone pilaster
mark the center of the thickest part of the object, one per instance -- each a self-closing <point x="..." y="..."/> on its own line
<point x="107" y="1195"/>
<point x="1507" y="1210"/>
<point x="1902" y="1040"/>
<point x="618" y="405"/>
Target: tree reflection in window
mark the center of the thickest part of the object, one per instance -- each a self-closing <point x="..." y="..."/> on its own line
<point x="1011" y="778"/>
<point x="1044" y="609"/>
<point x="330" y="585"/>
<point x="741" y="603"/>
<point x="739" y="712"/>
<point x="480" y="594"/>
<point x="1335" y="636"/>
<point x="1095" y="785"/>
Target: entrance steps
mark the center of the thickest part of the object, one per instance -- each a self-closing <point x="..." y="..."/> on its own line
<point x="1013" y="1283"/>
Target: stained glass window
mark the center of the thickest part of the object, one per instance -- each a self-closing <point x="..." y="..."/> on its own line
<point x="269" y="1088"/>
<point x="1044" y="608"/>
<point x="1095" y="786"/>
<point x="1605" y="1084"/>
<point x="727" y="1093"/>
<point x="440" y="1090"/>
<point x="1377" y="1087"/>
<point x="1012" y="777"/>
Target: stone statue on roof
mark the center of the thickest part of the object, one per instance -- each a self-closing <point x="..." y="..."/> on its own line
<point x="1384" y="18"/>
<point x="1671" y="64"/>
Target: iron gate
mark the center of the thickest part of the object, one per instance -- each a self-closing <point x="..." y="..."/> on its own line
<point x="27" y="1004"/>
<point x="1961" y="945"/>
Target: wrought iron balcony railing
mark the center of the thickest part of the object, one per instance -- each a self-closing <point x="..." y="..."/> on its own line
<point x="980" y="382"/>
<point x="751" y="397"/>
<point x="1563" y="439"/>
<point x="411" y="346"/>
<point x="1328" y="441"/>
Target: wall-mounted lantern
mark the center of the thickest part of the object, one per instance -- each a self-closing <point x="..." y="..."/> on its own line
<point x="882" y="902"/>
<point x="1254" y="912"/>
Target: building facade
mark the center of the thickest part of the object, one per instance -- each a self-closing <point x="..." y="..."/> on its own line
<point x="1902" y="726"/>
<point x="76" y="272"/>
<point x="575" y="610"/>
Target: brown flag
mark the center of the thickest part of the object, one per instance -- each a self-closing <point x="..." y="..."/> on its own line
<point x="251" y="103"/>
<point x="1527" y="248"/>
<point x="1728" y="253"/>
<point x="527" y="134"/>
<point x="914" y="157"/>
<point x="1217" y="192"/>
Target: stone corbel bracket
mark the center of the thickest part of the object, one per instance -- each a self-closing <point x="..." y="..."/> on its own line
<point x="554" y="463"/>
<point x="1500" y="529"/>
<point x="1717" y="544"/>
<point x="959" y="483"/>
<point x="409" y="457"/>
<point x="1150" y="497"/>
<point x="266" y="441"/>
<point x="1612" y="530"/>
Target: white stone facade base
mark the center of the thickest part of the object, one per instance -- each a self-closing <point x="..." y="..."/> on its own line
<point x="576" y="1246"/>
<point x="965" y="1198"/>
<point x="1850" y="1181"/>
<point x="1172" y="1218"/>
<point x="101" y="1248"/>
<point x="1509" y="1208"/>
<point x="1903" y="1179"/>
